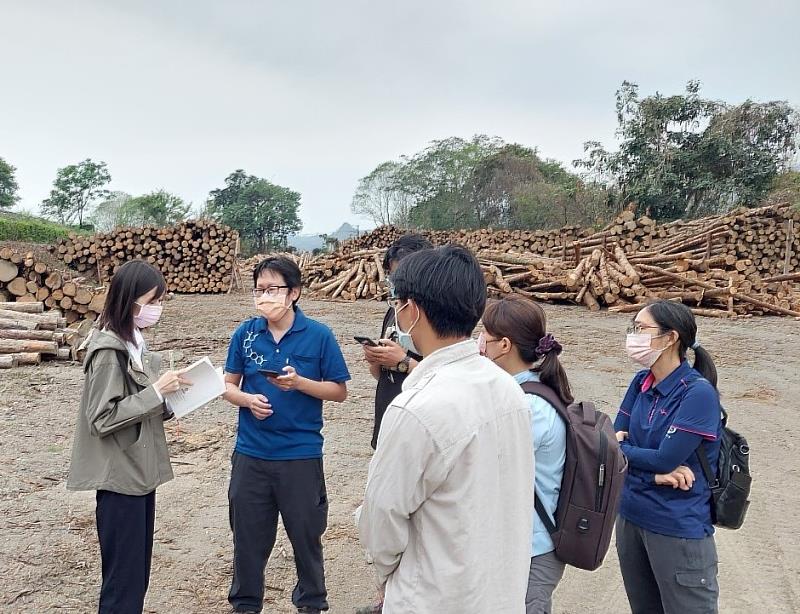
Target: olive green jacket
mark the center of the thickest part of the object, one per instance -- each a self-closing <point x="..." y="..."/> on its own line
<point x="119" y="442"/>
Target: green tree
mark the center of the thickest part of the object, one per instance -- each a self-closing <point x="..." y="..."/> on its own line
<point x="75" y="191"/>
<point x="683" y="154"/>
<point x="379" y="198"/>
<point x="158" y="208"/>
<point x="107" y="215"/>
<point x="437" y="181"/>
<point x="265" y="214"/>
<point x="8" y="185"/>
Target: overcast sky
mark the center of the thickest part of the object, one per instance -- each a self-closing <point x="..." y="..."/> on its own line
<point x="313" y="95"/>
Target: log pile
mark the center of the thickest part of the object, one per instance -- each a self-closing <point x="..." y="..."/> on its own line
<point x="195" y="256"/>
<point x="549" y="243"/>
<point x="26" y="279"/>
<point x="28" y="335"/>
<point x="248" y="265"/>
<point x="741" y="264"/>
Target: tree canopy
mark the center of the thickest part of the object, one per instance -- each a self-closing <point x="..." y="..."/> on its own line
<point x="8" y="185"/>
<point x="265" y="214"/>
<point x="684" y="155"/>
<point x="76" y="189"/>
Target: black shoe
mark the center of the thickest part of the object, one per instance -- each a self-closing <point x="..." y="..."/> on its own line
<point x="308" y="610"/>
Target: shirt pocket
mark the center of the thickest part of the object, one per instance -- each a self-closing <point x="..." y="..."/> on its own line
<point x="307" y="365"/>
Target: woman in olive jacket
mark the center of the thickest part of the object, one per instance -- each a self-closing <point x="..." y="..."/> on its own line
<point x="119" y="448"/>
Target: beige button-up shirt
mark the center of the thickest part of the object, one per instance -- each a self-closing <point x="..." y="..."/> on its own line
<point x="449" y="499"/>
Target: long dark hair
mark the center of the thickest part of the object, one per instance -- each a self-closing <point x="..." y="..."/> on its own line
<point x="524" y="323"/>
<point x="671" y="315"/>
<point x="132" y="280"/>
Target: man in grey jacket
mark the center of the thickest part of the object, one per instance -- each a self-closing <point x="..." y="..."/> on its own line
<point x="449" y="499"/>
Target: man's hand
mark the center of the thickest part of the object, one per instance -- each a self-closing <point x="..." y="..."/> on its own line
<point x="259" y="405"/>
<point x="682" y="478"/>
<point x="287" y="382"/>
<point x="389" y="354"/>
<point x="622" y="435"/>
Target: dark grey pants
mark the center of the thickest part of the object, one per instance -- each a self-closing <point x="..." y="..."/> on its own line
<point x="667" y="575"/>
<point x="259" y="491"/>
<point x="546" y="572"/>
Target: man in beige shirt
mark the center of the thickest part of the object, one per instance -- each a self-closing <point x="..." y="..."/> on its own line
<point x="449" y="499"/>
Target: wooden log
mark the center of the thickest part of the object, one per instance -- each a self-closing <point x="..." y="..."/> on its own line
<point x="23" y="307"/>
<point x="17" y="286"/>
<point x="8" y="324"/>
<point x="28" y="358"/>
<point x="780" y="278"/>
<point x="7" y="361"/>
<point x="37" y="335"/>
<point x="8" y="271"/>
<point x="16" y="346"/>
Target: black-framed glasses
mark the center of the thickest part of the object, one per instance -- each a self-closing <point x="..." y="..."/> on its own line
<point x="269" y="291"/>
<point x="637" y="329"/>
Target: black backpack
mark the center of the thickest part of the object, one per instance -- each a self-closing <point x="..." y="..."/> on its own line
<point x="594" y="473"/>
<point x="730" y="487"/>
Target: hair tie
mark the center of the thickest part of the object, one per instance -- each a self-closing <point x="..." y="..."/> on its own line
<point x="695" y="345"/>
<point x="548" y="344"/>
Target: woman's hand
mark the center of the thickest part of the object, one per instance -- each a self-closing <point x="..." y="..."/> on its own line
<point x="258" y="405"/>
<point x="171" y="381"/>
<point x="622" y="436"/>
<point x="682" y="478"/>
<point x="389" y="354"/>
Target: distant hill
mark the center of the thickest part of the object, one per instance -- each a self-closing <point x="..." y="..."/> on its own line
<point x="308" y="243"/>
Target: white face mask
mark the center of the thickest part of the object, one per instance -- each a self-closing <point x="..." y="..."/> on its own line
<point x="404" y="339"/>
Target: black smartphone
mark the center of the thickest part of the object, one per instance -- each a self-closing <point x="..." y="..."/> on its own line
<point x="366" y="341"/>
<point x="270" y="373"/>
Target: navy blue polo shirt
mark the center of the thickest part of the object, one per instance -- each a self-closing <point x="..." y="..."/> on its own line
<point x="665" y="424"/>
<point x="294" y="430"/>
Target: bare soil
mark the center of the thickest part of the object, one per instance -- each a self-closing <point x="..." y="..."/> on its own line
<point x="48" y="547"/>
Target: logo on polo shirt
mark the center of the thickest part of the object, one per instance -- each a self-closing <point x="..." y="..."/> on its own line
<point x="672" y="430"/>
<point x="247" y="345"/>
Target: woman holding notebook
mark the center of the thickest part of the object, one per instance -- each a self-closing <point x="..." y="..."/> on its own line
<point x="119" y="448"/>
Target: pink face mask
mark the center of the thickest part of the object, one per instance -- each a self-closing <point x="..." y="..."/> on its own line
<point x="148" y="315"/>
<point x="639" y="350"/>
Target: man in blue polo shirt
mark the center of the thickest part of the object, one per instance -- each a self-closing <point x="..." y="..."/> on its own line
<point x="281" y="366"/>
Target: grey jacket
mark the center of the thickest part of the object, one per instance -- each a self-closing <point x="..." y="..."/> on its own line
<point x="119" y="442"/>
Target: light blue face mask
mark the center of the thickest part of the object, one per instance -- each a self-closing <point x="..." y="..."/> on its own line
<point x="404" y="339"/>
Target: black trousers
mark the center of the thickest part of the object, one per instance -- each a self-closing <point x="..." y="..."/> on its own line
<point x="259" y="491"/>
<point x="125" y="529"/>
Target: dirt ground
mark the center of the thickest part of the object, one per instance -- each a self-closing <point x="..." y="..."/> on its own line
<point x="48" y="546"/>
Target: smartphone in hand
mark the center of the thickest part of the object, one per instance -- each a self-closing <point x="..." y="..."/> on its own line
<point x="366" y="341"/>
<point x="270" y="373"/>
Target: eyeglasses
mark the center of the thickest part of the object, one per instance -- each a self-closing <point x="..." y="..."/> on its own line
<point x="636" y="328"/>
<point x="269" y="291"/>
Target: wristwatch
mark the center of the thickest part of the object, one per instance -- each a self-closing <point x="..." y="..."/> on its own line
<point x="403" y="365"/>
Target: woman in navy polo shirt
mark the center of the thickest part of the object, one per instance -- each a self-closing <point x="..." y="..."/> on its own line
<point x="277" y="464"/>
<point x="671" y="412"/>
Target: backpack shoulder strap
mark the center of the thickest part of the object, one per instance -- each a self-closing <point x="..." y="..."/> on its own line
<point x="538" y="389"/>
<point x="703" y="458"/>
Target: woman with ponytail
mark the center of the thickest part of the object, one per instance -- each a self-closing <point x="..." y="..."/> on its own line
<point x="516" y="339"/>
<point x="670" y="414"/>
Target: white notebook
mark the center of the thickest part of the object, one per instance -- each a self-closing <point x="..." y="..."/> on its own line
<point x="207" y="384"/>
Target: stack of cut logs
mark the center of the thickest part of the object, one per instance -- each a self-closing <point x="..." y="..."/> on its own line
<point x="195" y="256"/>
<point x="248" y="265"/>
<point x="26" y="279"/>
<point x="743" y="263"/>
<point x="550" y="243"/>
<point x="28" y="334"/>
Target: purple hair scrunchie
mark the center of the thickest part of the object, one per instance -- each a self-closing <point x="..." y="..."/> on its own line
<point x="548" y="344"/>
